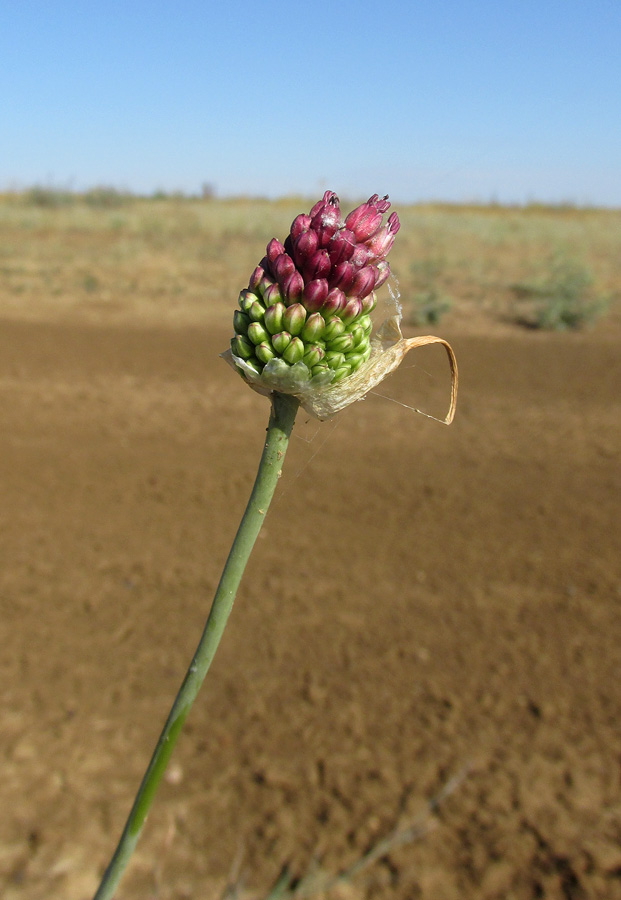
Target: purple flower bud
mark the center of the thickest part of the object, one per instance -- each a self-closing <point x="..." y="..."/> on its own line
<point x="326" y="218"/>
<point x="334" y="302"/>
<point x="316" y="266"/>
<point x="351" y="311"/>
<point x="300" y="223"/>
<point x="294" y="352"/>
<point x="304" y="246"/>
<point x="272" y="295"/>
<point x="288" y="245"/>
<point x="256" y="277"/>
<point x="273" y="318"/>
<point x="360" y="256"/>
<point x="379" y="245"/>
<point x="281" y="341"/>
<point x="341" y="246"/>
<point x="329" y="198"/>
<point x="274" y="249"/>
<point x="366" y="219"/>
<point x="394" y="223"/>
<point x="315" y="293"/>
<point x="383" y="271"/>
<point x="282" y="267"/>
<point x="364" y="282"/>
<point x="293" y="288"/>
<point x="327" y="230"/>
<point x="313" y="328"/>
<point x="343" y="276"/>
<point x="294" y="318"/>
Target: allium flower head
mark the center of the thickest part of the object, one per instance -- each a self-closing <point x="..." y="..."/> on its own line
<point x="303" y="323"/>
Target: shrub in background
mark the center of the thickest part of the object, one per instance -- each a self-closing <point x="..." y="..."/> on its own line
<point x="563" y="298"/>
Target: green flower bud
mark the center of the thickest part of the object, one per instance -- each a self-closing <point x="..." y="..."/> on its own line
<point x="313" y="328"/>
<point x="354" y="360"/>
<point x="256" y="311"/>
<point x="242" y="347"/>
<point x="272" y="295"/>
<point x="341" y="344"/>
<point x="240" y="322"/>
<point x="366" y="323"/>
<point x="320" y="370"/>
<point x="334" y="359"/>
<point x="256" y="367"/>
<point x="341" y="373"/>
<point x="334" y="328"/>
<point x="314" y="355"/>
<point x="257" y="333"/>
<point x="246" y="299"/>
<point x="281" y="341"/>
<point x="273" y="318"/>
<point x="352" y="310"/>
<point x="357" y="332"/>
<point x="264" y="352"/>
<point x="264" y="285"/>
<point x="369" y="303"/>
<point x="364" y="348"/>
<point x="295" y="351"/>
<point x="294" y="318"/>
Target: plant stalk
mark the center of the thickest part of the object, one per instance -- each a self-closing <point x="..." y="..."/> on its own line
<point x="282" y="418"/>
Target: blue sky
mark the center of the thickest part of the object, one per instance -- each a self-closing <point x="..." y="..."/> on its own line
<point x="457" y="101"/>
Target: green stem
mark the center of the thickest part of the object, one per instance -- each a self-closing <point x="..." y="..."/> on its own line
<point x="282" y="417"/>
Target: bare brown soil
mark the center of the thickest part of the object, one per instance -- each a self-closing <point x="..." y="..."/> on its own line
<point x="424" y="603"/>
<point x="429" y="630"/>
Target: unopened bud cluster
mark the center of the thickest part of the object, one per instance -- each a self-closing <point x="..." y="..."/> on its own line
<point x="309" y="299"/>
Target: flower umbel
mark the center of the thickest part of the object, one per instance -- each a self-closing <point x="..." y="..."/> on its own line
<point x="303" y="326"/>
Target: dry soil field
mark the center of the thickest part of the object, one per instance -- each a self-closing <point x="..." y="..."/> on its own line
<point x="425" y="603"/>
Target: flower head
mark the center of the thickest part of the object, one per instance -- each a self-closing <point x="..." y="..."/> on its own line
<point x="303" y="324"/>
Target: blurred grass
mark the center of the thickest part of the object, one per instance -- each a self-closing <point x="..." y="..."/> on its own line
<point x="171" y="259"/>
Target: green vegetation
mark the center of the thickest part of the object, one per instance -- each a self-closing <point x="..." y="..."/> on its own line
<point x="181" y="259"/>
<point x="563" y="297"/>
